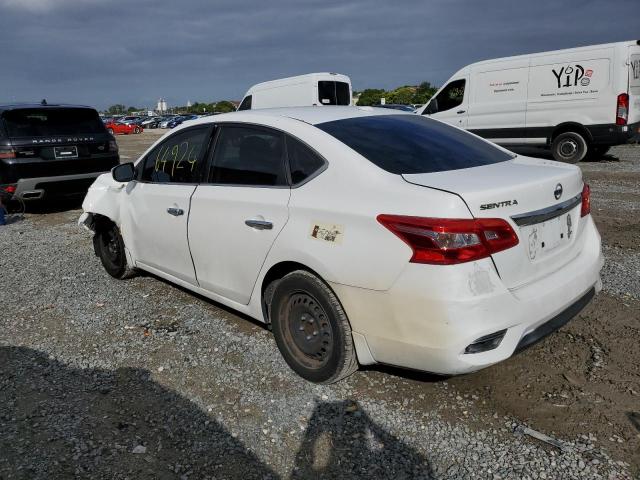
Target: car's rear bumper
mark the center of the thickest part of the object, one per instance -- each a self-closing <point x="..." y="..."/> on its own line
<point x="30" y="189"/>
<point x="432" y="314"/>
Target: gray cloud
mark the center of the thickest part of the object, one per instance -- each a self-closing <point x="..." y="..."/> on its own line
<point x="99" y="53"/>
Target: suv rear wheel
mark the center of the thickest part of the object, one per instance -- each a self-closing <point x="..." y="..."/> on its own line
<point x="569" y="147"/>
<point x="311" y="329"/>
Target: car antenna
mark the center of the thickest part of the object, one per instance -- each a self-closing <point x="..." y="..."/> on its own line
<point x="43" y="102"/>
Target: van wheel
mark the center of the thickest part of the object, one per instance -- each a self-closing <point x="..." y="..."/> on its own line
<point x="109" y="246"/>
<point x="311" y="329"/>
<point x="569" y="147"/>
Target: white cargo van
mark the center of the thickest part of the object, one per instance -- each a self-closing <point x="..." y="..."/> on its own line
<point x="578" y="101"/>
<point x="300" y="91"/>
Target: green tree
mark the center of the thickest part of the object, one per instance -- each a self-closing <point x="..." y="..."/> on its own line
<point x="224" y="106"/>
<point x="133" y="109"/>
<point x="371" y="96"/>
<point x="423" y="93"/>
<point x="402" y="95"/>
<point x="116" y="109"/>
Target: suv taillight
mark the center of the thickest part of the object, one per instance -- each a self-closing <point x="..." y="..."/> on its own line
<point x="586" y="201"/>
<point x="7" y="152"/>
<point x="446" y="241"/>
<point x="113" y="146"/>
<point x="622" y="109"/>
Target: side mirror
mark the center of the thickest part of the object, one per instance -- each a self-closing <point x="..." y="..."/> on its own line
<point x="123" y="173"/>
<point x="432" y="107"/>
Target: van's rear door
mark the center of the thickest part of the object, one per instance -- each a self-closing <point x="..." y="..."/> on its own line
<point x="634" y="84"/>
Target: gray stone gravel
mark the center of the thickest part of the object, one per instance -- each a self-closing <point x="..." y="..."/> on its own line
<point x="139" y="379"/>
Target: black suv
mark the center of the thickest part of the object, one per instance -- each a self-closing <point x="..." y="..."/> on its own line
<point x="52" y="150"/>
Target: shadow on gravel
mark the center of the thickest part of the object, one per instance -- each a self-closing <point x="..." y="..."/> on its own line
<point x="58" y="422"/>
<point x="61" y="422"/>
<point x="341" y="441"/>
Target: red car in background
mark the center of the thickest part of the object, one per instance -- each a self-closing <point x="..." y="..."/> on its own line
<point x="115" y="128"/>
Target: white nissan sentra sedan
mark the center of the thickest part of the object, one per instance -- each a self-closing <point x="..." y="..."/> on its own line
<point x="360" y="235"/>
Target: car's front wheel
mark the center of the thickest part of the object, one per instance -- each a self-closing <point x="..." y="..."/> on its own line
<point x="136" y="130"/>
<point x="109" y="246"/>
<point x="311" y="329"/>
<point x="110" y="130"/>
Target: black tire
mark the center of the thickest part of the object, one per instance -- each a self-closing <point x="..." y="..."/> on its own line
<point x="569" y="147"/>
<point x="109" y="246"/>
<point x="110" y="130"/>
<point x="136" y="130"/>
<point x="311" y="329"/>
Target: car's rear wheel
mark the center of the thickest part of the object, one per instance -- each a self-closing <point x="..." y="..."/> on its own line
<point x="136" y="130"/>
<point x="569" y="147"/>
<point x="109" y="246"/>
<point x="110" y="130"/>
<point x="311" y="329"/>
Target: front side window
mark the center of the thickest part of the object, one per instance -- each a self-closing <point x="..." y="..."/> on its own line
<point x="405" y="143"/>
<point x="334" y="93"/>
<point x="451" y="96"/>
<point x="178" y="159"/>
<point x="303" y="162"/>
<point x="248" y="156"/>
<point x="246" y="103"/>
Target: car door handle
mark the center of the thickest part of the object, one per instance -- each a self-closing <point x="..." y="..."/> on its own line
<point x="259" y="224"/>
<point x="176" y="212"/>
<point x="459" y="112"/>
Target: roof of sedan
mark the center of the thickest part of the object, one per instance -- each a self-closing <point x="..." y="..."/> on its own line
<point x="311" y="115"/>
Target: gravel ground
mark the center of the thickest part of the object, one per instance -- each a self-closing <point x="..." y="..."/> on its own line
<point x="136" y="379"/>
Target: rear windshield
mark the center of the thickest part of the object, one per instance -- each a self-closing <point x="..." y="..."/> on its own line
<point x="44" y="122"/>
<point x="404" y="144"/>
<point x="334" y="93"/>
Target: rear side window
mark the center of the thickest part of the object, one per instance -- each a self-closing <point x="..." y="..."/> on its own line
<point x="248" y="156"/>
<point x="178" y="159"/>
<point x="333" y="93"/>
<point x="404" y="144"/>
<point x="246" y="103"/>
<point x="45" y="122"/>
<point x="303" y="162"/>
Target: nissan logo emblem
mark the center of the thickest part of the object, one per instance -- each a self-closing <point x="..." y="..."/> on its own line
<point x="558" y="191"/>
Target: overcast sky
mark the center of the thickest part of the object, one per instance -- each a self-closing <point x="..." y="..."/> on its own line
<point x="101" y="52"/>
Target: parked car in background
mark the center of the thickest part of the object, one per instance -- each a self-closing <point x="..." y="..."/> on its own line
<point x="177" y="121"/>
<point x="130" y="119"/>
<point x="578" y="102"/>
<point x="312" y="89"/>
<point x="120" y="128"/>
<point x="424" y="247"/>
<point x="52" y="150"/>
<point x="396" y="106"/>
<point x="164" y="123"/>
<point x="151" y="122"/>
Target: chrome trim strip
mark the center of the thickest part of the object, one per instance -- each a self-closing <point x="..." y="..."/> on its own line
<point x="539" y="216"/>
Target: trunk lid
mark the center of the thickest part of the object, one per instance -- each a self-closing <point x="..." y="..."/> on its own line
<point x="540" y="199"/>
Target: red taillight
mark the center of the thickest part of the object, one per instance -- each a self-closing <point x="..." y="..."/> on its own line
<point x="586" y="201"/>
<point x="445" y="241"/>
<point x="622" y="109"/>
<point x="7" y="152"/>
<point x="10" y="189"/>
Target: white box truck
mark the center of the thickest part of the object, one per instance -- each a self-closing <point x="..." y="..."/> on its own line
<point x="299" y="91"/>
<point x="578" y="102"/>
